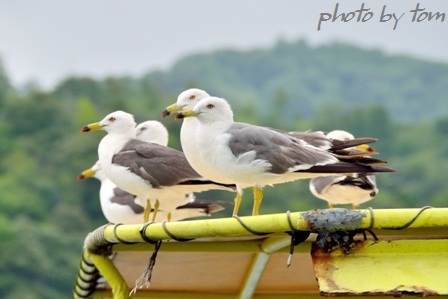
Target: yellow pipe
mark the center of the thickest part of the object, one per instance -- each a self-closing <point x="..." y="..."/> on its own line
<point x="256" y="270"/>
<point x="212" y="228"/>
<point x="231" y="227"/>
<point x="275" y="223"/>
<point x="244" y="246"/>
<point x="86" y="280"/>
<point x="259" y="264"/>
<point x="398" y="218"/>
<point x="119" y="286"/>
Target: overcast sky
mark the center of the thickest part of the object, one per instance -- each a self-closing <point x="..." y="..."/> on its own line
<point x="47" y="40"/>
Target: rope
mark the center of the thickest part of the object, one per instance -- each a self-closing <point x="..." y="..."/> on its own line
<point x="372" y="218"/>
<point x="143" y="233"/>
<point x="248" y="228"/>
<point x="97" y="243"/>
<point x="116" y="236"/>
<point x="145" y="278"/>
<point x="165" y="229"/>
<point x="410" y="222"/>
<point x="87" y="279"/>
<point x="370" y="228"/>
<point x="297" y="237"/>
<point x="288" y="216"/>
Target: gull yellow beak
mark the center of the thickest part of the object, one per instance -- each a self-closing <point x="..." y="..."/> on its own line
<point x="170" y="110"/>
<point x="186" y="113"/>
<point x="367" y="148"/>
<point x="86" y="174"/>
<point x="91" y="127"/>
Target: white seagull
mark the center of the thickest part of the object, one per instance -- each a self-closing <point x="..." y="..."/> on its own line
<point x="152" y="131"/>
<point x="185" y="101"/>
<point x="255" y="156"/>
<point x="148" y="170"/>
<point x="190" y="97"/>
<point x="352" y="189"/>
<point x="119" y="206"/>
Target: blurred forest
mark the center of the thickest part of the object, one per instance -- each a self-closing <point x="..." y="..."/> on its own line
<point x="45" y="213"/>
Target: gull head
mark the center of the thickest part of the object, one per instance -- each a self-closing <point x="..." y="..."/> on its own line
<point x="185" y="101"/>
<point x="116" y="122"/>
<point x="210" y="110"/>
<point x="340" y="135"/>
<point x="152" y="131"/>
<point x="344" y="135"/>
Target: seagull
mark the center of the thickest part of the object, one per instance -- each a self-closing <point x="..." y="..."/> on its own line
<point x="253" y="156"/>
<point x="148" y="170"/>
<point x="119" y="206"/>
<point x="352" y="189"/>
<point x="190" y="97"/>
<point x="187" y="100"/>
<point x="152" y="131"/>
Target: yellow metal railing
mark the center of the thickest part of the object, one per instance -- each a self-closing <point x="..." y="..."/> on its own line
<point x="98" y="243"/>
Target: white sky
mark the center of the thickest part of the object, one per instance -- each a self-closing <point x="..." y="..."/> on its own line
<point x="48" y="40"/>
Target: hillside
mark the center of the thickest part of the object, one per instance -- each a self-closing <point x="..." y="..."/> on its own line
<point x="308" y="78"/>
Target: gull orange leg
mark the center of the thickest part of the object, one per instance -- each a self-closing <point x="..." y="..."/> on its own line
<point x="331" y="206"/>
<point x="258" y="197"/>
<point x="237" y="204"/>
<point x="156" y="209"/>
<point x="147" y="211"/>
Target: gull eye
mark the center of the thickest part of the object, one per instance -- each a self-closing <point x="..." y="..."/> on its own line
<point x="192" y="97"/>
<point x="210" y="106"/>
<point x="111" y="119"/>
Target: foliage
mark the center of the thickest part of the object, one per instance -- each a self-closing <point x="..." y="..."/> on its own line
<point x="45" y="214"/>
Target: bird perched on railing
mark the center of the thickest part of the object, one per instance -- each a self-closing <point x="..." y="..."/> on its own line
<point x="190" y="97"/>
<point x="255" y="156"/>
<point x="148" y="170"/>
<point x="119" y="206"/>
<point x="351" y="189"/>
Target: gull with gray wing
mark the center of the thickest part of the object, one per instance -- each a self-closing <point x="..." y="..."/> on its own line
<point x="351" y="189"/>
<point x="148" y="170"/>
<point x="255" y="156"/>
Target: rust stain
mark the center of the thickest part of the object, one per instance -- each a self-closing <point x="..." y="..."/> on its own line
<point x="324" y="261"/>
<point x="412" y="291"/>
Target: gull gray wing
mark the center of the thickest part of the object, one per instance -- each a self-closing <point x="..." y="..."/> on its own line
<point x="281" y="150"/>
<point x="124" y="198"/>
<point x="317" y="138"/>
<point x="366" y="182"/>
<point x="322" y="182"/>
<point x="160" y="165"/>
